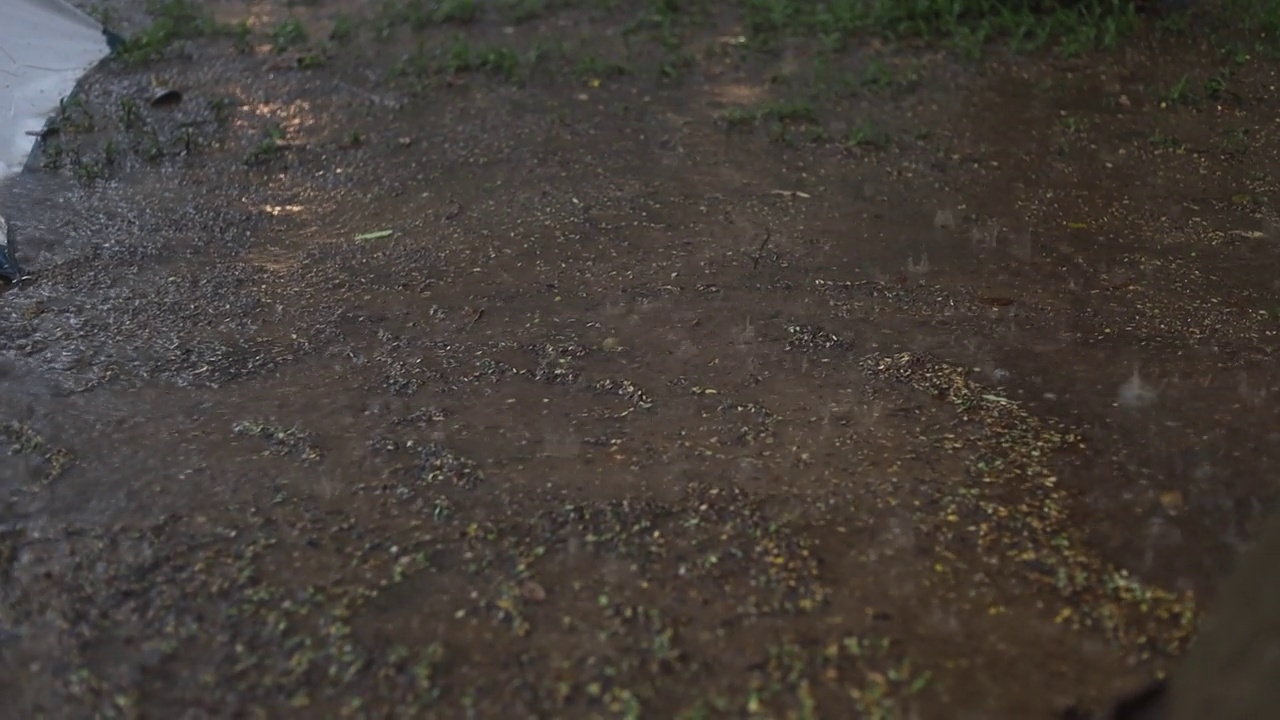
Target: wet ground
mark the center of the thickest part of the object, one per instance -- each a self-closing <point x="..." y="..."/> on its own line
<point x="577" y="360"/>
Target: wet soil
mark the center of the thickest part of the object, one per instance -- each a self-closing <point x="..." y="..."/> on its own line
<point x="563" y="371"/>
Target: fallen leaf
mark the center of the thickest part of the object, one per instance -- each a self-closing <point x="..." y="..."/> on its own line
<point x="532" y="591"/>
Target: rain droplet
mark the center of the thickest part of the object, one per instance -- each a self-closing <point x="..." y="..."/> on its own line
<point x="1135" y="393"/>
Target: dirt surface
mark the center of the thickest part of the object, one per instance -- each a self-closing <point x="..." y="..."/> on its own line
<point x="582" y="359"/>
<point x="1241" y="659"/>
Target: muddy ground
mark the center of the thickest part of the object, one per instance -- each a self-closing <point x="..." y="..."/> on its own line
<point x="586" y="359"/>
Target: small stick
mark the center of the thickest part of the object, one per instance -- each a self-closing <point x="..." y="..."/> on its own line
<point x="755" y="259"/>
<point x="479" y="314"/>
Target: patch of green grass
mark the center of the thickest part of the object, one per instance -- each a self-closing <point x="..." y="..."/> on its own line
<point x="188" y="139"/>
<point x="867" y="135"/>
<point x="22" y="439"/>
<point x="152" y="147"/>
<point x="1160" y="141"/>
<point x="674" y="64"/>
<point x="968" y="25"/>
<point x="1260" y="18"/>
<point x="794" y="111"/>
<point x="830" y="77"/>
<point x="787" y="111"/>
<point x="130" y="114"/>
<point x="740" y="117"/>
<point x="545" y="51"/>
<point x="667" y="21"/>
<point x="414" y="14"/>
<point x="418" y="15"/>
<point x="52" y="154"/>
<point x="353" y="139"/>
<point x="416" y="64"/>
<point x="344" y="28"/>
<point x="782" y="115"/>
<point x="592" y="66"/>
<point x="522" y="11"/>
<point x="312" y="60"/>
<point x="1073" y="124"/>
<point x="1240" y="28"/>
<point x="271" y="146"/>
<point x="74" y="116"/>
<point x="1180" y="93"/>
<point x="101" y="13"/>
<point x="87" y="171"/>
<point x="1235" y="141"/>
<point x="221" y="109"/>
<point x="288" y="34"/>
<point x="241" y="34"/>
<point x="463" y="57"/>
<point x="455" y="11"/>
<point x="281" y="440"/>
<point x="877" y="75"/>
<point x="1218" y="87"/>
<point x="172" y="20"/>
